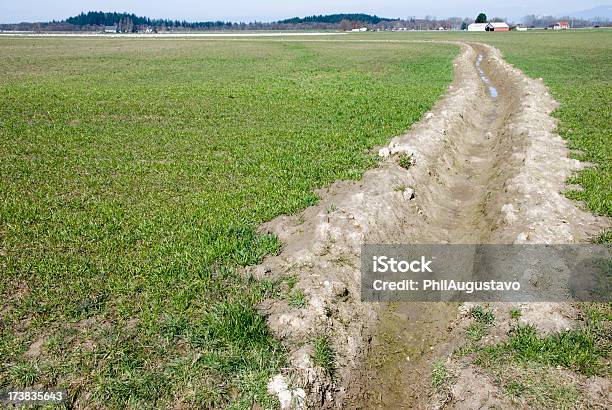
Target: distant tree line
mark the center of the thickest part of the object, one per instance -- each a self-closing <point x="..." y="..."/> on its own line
<point x="100" y="18"/>
<point x="129" y="20"/>
<point x="336" y="19"/>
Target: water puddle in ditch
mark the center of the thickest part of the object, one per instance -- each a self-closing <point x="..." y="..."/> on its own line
<point x="492" y="90"/>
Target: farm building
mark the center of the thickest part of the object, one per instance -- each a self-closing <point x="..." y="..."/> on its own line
<point x="497" y="27"/>
<point x="110" y="29"/>
<point x="477" y="27"/>
<point x="562" y="25"/>
<point x="488" y="27"/>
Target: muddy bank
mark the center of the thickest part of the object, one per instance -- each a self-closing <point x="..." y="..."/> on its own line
<point x="486" y="168"/>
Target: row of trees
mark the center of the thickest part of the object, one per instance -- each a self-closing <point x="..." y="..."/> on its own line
<point x="337" y="18"/>
<point x="346" y="21"/>
<point x="127" y="21"/>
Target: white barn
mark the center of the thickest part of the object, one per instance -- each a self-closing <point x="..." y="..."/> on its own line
<point x="477" y="27"/>
<point x="488" y="27"/>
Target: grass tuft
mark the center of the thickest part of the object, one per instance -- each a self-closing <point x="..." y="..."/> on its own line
<point x="297" y="298"/>
<point x="483" y="319"/>
<point x="515" y="313"/>
<point x="482" y="315"/>
<point x="404" y="160"/>
<point x="439" y="374"/>
<point x="476" y="331"/>
<point x="323" y="355"/>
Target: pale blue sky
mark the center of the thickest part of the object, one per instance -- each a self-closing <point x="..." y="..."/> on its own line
<point x="12" y="11"/>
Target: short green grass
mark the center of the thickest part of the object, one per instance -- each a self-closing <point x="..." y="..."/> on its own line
<point x="482" y="319"/>
<point x="134" y="174"/>
<point x="323" y="354"/>
<point x="578" y="350"/>
<point x="439" y="374"/>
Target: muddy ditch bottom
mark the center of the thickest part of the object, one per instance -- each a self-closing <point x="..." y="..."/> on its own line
<point x="410" y="337"/>
<point x="396" y="373"/>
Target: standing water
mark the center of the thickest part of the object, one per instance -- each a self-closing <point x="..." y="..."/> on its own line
<point x="484" y="78"/>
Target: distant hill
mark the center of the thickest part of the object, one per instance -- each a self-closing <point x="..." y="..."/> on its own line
<point x="602" y="12"/>
<point x="336" y="18"/>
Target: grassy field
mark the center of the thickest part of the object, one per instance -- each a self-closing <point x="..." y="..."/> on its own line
<point x="135" y="172"/>
<point x="133" y="176"/>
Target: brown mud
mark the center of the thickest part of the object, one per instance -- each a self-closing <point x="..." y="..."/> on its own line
<point x="487" y="168"/>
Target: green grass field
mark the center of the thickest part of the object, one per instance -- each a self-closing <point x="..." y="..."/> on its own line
<point x="134" y="175"/>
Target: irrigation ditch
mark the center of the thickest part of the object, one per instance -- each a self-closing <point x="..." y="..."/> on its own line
<point x="485" y="167"/>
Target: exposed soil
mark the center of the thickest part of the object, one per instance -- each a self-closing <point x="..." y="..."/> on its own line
<point x="488" y="168"/>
